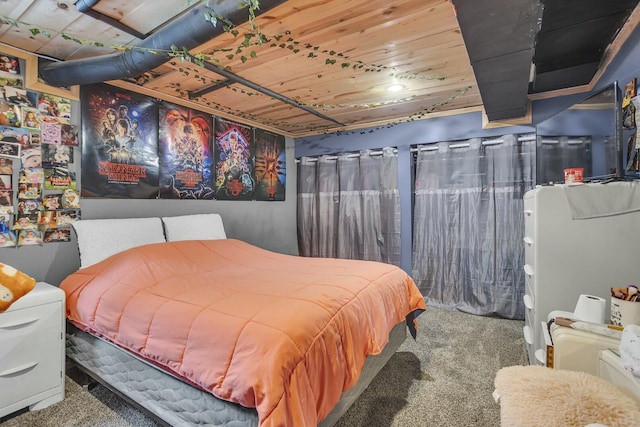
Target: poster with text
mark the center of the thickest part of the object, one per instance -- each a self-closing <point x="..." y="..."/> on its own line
<point x="186" y="156"/>
<point x="119" y="143"/>
<point x="234" y="161"/>
<point x="271" y="166"/>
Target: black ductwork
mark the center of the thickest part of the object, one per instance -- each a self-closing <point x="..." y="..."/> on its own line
<point x="500" y="40"/>
<point x="187" y="31"/>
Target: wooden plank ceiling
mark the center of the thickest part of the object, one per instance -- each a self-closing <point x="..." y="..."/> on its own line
<point x="329" y="63"/>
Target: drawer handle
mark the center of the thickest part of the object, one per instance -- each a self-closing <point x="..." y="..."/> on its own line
<point x="18" y="369"/>
<point x="528" y="302"/>
<point x="528" y="335"/>
<point x="528" y="270"/>
<point x="19" y="323"/>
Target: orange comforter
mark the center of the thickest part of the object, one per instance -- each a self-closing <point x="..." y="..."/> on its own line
<point x="284" y="334"/>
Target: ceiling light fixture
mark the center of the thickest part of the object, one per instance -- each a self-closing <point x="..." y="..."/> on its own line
<point x="395" y="88"/>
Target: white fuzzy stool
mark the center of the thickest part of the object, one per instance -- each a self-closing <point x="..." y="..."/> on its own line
<point x="537" y="396"/>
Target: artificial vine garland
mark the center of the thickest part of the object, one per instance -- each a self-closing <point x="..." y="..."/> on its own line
<point x="249" y="40"/>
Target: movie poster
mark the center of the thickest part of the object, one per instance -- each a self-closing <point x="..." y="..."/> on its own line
<point x="234" y="161"/>
<point x="186" y="156"/>
<point x="271" y="166"/>
<point x="119" y="143"/>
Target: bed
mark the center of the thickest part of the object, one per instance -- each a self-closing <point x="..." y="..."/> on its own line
<point x="201" y="329"/>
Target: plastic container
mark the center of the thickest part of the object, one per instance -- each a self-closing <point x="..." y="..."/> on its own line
<point x="576" y="350"/>
<point x="624" y="313"/>
<point x="573" y="175"/>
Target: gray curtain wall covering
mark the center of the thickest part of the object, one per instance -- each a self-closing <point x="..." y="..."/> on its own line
<point x="468" y="223"/>
<point x="349" y="206"/>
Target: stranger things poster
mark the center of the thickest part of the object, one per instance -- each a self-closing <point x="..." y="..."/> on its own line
<point x="271" y="166"/>
<point x="186" y="157"/>
<point x="234" y="161"/>
<point x="119" y="143"/>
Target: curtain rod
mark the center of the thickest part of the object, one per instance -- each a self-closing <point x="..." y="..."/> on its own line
<point x="433" y="147"/>
<point x="350" y="156"/>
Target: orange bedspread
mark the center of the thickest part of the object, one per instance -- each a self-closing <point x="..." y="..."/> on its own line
<point x="284" y="334"/>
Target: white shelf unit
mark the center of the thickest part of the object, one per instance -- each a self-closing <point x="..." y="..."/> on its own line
<point x="566" y="257"/>
<point x="32" y="351"/>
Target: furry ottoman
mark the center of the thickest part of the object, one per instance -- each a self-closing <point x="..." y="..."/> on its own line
<point x="536" y="396"/>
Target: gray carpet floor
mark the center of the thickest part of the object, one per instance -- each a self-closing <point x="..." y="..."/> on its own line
<point x="444" y="378"/>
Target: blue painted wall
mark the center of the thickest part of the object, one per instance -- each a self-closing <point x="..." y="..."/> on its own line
<point x="622" y="68"/>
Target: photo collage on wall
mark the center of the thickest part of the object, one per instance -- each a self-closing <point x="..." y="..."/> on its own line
<point x="36" y="147"/>
<point x="137" y="147"/>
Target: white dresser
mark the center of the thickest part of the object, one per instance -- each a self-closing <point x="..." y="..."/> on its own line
<point x="566" y="257"/>
<point x="32" y="350"/>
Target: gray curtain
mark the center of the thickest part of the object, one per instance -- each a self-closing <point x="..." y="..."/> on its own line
<point x="468" y="249"/>
<point x="349" y="207"/>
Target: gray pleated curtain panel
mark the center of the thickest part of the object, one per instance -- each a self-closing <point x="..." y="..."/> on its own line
<point x="349" y="206"/>
<point x="468" y="224"/>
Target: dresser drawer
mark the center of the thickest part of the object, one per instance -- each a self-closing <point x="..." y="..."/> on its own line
<point x="31" y="364"/>
<point x="529" y="251"/>
<point x="27" y="320"/>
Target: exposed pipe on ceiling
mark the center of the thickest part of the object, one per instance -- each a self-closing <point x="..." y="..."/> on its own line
<point x="268" y="92"/>
<point x="85" y="6"/>
<point x="188" y="31"/>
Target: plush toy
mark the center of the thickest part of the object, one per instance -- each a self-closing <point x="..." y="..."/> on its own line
<point x="14" y="284"/>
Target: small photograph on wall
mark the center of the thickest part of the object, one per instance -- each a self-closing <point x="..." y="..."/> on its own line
<point x="26" y="222"/>
<point x="70" y="199"/>
<point x="7" y="239"/>
<point x="28" y="206"/>
<point x="11" y="134"/>
<point x="9" y="115"/>
<point x="6" y="165"/>
<point x="234" y="173"/>
<point x="20" y="97"/>
<point x="54" y="109"/>
<point x="119" y="143"/>
<point x="51" y="133"/>
<point x="9" y="150"/>
<point x="10" y="74"/>
<point x="69" y="135"/>
<point x="30" y="118"/>
<point x="9" y="64"/>
<point x="52" y="202"/>
<point x="5" y="222"/>
<point x="29" y="191"/>
<point x="60" y="155"/>
<point x="58" y="178"/>
<point x="68" y="217"/>
<point x="186" y="156"/>
<point x="31" y="175"/>
<point x="5" y="182"/>
<point x="29" y="237"/>
<point x="53" y="235"/>
<point x="6" y="201"/>
<point x="271" y="166"/>
<point x="31" y="156"/>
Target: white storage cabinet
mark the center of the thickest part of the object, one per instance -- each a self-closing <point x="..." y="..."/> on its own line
<point x="565" y="258"/>
<point x="32" y="350"/>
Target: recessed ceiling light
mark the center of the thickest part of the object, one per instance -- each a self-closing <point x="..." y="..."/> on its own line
<point x="395" y="88"/>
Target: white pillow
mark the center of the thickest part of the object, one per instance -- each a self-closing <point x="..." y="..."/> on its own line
<point x="194" y="227"/>
<point x="100" y="238"/>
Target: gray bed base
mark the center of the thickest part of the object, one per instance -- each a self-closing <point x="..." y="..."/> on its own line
<point x="172" y="402"/>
